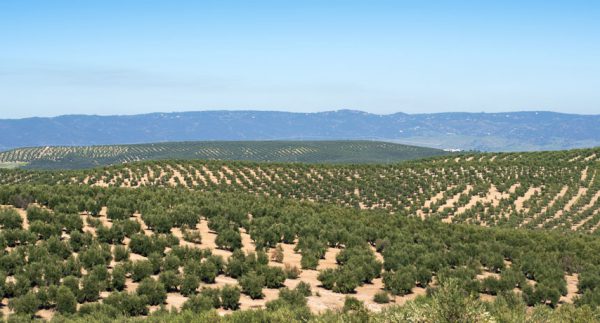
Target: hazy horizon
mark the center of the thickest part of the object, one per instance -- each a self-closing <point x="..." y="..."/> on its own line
<point x="286" y="111"/>
<point x="114" y="57"/>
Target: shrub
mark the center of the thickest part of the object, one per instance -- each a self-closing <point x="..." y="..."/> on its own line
<point x="154" y="291"/>
<point x="27" y="304"/>
<point x="127" y="304"/>
<point x="156" y="260"/>
<point x="35" y="213"/>
<point x="236" y="264"/>
<point x="99" y="310"/>
<point x="252" y="285"/>
<point x="198" y="304"/>
<point x="214" y="294"/>
<point x="229" y="239"/>
<point x="207" y="272"/>
<point x="72" y="283"/>
<point x="44" y="230"/>
<point x="345" y="281"/>
<point x="291" y="272"/>
<point x="117" y="213"/>
<point x="274" y="277"/>
<point x="95" y="256"/>
<point x="66" y="303"/>
<point x="10" y="219"/>
<point x="400" y="282"/>
<point x="277" y="254"/>
<point x="381" y="298"/>
<point x="189" y="285"/>
<point x="118" y="278"/>
<point x="287" y="297"/>
<point x="192" y="236"/>
<point x="309" y="260"/>
<point x="327" y="278"/>
<point x="170" y="280"/>
<point x="304" y="288"/>
<point x="353" y="304"/>
<point x="141" y="269"/>
<point x="121" y="253"/>
<point x="171" y="262"/>
<point x="230" y="297"/>
<point x="90" y="290"/>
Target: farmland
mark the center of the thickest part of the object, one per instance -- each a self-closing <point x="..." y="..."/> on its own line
<point x="504" y="235"/>
<point x="66" y="157"/>
<point x="534" y="190"/>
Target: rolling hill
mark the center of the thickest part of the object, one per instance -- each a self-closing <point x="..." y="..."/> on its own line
<point x="559" y="190"/>
<point x="514" y="131"/>
<point x="517" y="232"/>
<point x="272" y="151"/>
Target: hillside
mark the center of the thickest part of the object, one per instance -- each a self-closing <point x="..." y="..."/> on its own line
<point x="532" y="190"/>
<point x="519" y="232"/>
<point x="271" y="151"/>
<point x="515" y="131"/>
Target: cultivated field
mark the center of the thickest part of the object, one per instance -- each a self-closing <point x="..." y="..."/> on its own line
<point x="517" y="232"/>
<point x="535" y="190"/>
<point x="275" y="151"/>
<point x="178" y="248"/>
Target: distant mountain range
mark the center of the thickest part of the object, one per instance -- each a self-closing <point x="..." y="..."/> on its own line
<point x="512" y="131"/>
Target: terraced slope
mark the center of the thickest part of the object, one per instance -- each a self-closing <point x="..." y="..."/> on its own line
<point x="274" y="151"/>
<point x="531" y="190"/>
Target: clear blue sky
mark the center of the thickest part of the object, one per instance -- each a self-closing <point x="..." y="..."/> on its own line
<point x="126" y="57"/>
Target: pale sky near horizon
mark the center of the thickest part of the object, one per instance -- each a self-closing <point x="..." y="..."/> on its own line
<point x="132" y="56"/>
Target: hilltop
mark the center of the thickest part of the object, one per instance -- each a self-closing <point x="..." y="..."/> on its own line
<point x="512" y="131"/>
<point x="265" y="151"/>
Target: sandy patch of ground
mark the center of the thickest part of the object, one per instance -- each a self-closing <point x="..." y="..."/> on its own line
<point x="572" y="281"/>
<point x="586" y="207"/>
<point x="454" y="199"/>
<point x="595" y="227"/>
<point x="138" y="217"/>
<point x="208" y="240"/>
<point x="175" y="300"/>
<point x="431" y="201"/>
<point x="130" y="285"/>
<point x="492" y="197"/>
<point x="4" y="308"/>
<point x="366" y="293"/>
<point x="584" y="174"/>
<point x="513" y="188"/>
<point x="247" y="243"/>
<point x="568" y="206"/>
<point x="452" y="202"/>
<point x="329" y="260"/>
<point x="582" y="191"/>
<point x="290" y="257"/>
<point x="487" y="274"/>
<point x="210" y="174"/>
<point x="522" y="199"/>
